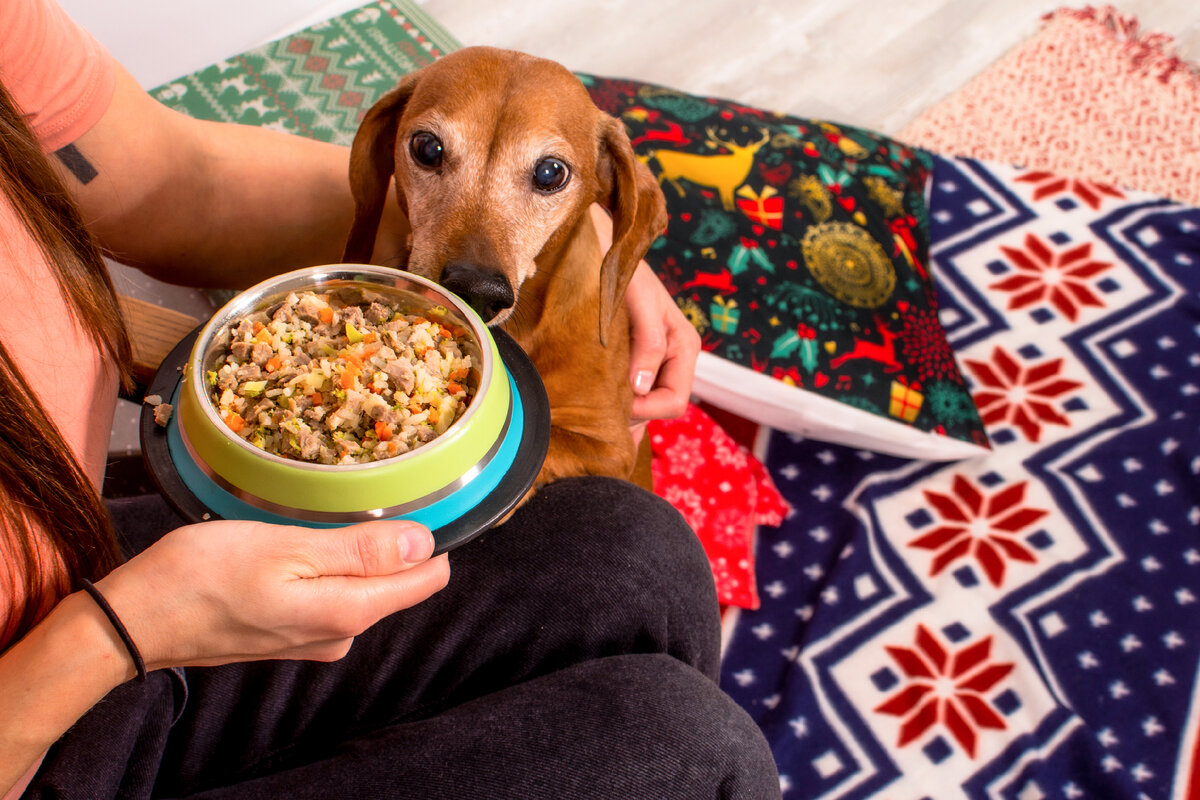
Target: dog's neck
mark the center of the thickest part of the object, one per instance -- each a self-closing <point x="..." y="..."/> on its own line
<point x="565" y="286"/>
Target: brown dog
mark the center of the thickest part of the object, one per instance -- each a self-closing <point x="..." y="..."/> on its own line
<point x="497" y="157"/>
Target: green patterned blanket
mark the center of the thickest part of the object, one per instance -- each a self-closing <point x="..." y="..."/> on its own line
<point x="319" y="81"/>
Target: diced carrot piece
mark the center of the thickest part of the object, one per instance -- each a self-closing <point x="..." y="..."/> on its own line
<point x="325" y="315"/>
<point x="459" y="374"/>
<point x="434" y="415"/>
<point x="351" y="372"/>
<point x="273" y="363"/>
<point x="383" y="431"/>
<point x="234" y="421"/>
<point x="370" y="336"/>
<point x="454" y="388"/>
<point x="258" y="326"/>
<point x="316" y="398"/>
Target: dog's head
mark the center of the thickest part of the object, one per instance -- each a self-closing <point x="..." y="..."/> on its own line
<point x="496" y="155"/>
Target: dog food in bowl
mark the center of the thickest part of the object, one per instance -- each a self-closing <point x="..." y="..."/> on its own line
<point x="343" y="376"/>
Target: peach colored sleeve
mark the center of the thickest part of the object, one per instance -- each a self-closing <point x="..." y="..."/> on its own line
<point x="60" y="76"/>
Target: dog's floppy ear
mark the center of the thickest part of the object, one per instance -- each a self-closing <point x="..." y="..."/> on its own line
<point x="639" y="213"/>
<point x="372" y="163"/>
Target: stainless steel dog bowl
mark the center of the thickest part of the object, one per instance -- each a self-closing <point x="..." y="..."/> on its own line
<point x="490" y="447"/>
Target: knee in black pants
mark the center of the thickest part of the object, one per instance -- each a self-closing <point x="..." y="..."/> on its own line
<point x="632" y="726"/>
<point x="592" y="551"/>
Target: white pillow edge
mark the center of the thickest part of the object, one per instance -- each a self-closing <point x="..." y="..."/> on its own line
<point x="760" y="398"/>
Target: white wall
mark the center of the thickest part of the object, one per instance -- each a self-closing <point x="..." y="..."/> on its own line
<point x="158" y="40"/>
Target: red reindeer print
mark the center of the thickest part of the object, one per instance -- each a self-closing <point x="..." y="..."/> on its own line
<point x="883" y="351"/>
<point x="721" y="281"/>
<point x="673" y="134"/>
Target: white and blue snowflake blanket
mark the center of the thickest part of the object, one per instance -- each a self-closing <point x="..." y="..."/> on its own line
<point x="1025" y="625"/>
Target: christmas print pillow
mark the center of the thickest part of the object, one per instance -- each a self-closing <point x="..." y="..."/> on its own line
<point x="800" y="251"/>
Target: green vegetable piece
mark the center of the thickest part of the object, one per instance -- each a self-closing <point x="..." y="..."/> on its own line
<point x="253" y="388"/>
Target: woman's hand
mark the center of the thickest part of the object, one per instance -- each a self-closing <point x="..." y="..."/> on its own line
<point x="662" y="361"/>
<point x="229" y="591"/>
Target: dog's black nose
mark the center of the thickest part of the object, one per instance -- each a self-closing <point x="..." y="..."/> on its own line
<point x="486" y="291"/>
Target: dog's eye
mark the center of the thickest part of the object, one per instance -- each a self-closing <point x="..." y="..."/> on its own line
<point x="426" y="149"/>
<point x="550" y="175"/>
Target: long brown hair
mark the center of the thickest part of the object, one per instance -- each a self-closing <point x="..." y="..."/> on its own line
<point x="42" y="486"/>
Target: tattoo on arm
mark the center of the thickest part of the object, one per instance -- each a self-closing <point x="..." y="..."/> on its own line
<point x="74" y="160"/>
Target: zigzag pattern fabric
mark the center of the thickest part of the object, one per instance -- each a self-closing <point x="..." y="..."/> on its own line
<point x="1021" y="625"/>
<point x="318" y="82"/>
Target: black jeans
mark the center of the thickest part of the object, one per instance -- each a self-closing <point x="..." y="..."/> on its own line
<point x="574" y="654"/>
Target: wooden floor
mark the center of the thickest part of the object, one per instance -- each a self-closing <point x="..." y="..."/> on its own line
<point x="873" y="63"/>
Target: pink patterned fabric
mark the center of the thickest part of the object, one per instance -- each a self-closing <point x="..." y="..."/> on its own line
<point x="723" y="492"/>
<point x="1088" y="96"/>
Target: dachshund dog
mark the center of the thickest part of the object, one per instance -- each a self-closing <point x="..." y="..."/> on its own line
<point x="497" y="157"/>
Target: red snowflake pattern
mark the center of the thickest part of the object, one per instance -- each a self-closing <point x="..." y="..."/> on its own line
<point x="945" y="687"/>
<point x="1058" y="277"/>
<point x="1048" y="184"/>
<point x="975" y="525"/>
<point x="1020" y="395"/>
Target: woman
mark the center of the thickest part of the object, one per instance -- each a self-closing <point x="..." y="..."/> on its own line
<point x="573" y="654"/>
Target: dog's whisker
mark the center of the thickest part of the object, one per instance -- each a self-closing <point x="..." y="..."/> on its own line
<point x="519" y="316"/>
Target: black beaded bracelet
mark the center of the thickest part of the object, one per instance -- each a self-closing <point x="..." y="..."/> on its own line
<point x="138" y="663"/>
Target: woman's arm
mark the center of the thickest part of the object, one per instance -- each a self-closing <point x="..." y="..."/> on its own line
<point x="213" y="204"/>
<point x="209" y="594"/>
<point x="48" y="679"/>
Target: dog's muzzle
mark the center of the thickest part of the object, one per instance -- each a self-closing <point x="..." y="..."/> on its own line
<point x="486" y="291"/>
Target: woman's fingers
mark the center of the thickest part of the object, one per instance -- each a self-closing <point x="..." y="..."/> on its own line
<point x="361" y="573"/>
<point x="648" y="334"/>
<point x="672" y="390"/>
<point x="366" y="549"/>
<point x="664" y="349"/>
<point x="354" y="603"/>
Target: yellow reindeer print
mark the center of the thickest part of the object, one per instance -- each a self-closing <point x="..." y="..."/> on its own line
<point x="725" y="172"/>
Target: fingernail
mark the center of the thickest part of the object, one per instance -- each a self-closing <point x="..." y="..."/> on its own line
<point x="643" y="381"/>
<point x="418" y="545"/>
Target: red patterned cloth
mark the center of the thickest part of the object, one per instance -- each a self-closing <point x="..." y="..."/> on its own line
<point x="1091" y="96"/>
<point x="723" y="492"/>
